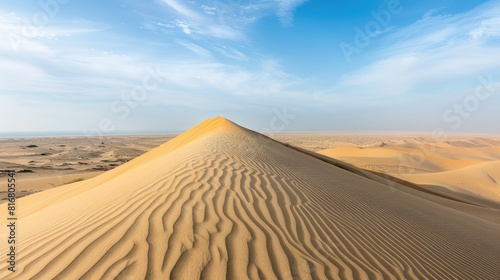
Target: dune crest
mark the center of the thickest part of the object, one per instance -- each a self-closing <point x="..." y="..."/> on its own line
<point x="223" y="202"/>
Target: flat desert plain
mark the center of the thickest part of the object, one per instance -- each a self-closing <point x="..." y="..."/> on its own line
<point x="223" y="202"/>
<point x="46" y="162"/>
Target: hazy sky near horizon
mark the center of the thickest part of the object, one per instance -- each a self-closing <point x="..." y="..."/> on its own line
<point x="270" y="65"/>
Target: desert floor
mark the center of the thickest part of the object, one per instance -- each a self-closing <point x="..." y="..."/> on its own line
<point x="223" y="202"/>
<point x="46" y="162"/>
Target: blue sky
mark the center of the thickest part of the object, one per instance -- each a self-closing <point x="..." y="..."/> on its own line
<point x="98" y="67"/>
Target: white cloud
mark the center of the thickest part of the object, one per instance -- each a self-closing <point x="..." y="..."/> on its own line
<point x="183" y="10"/>
<point x="196" y="49"/>
<point x="488" y="27"/>
<point x="192" y="22"/>
<point x="87" y="69"/>
<point x="223" y="79"/>
<point x="63" y="58"/>
<point x="184" y="26"/>
<point x="434" y="52"/>
<point x="232" y="53"/>
<point x="228" y="20"/>
<point x="286" y="10"/>
<point x="432" y="12"/>
<point x="208" y="10"/>
<point x="84" y="66"/>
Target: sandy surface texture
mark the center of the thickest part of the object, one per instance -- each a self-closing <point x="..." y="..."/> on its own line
<point x="464" y="167"/>
<point x="223" y="202"/>
<point x="47" y="162"/>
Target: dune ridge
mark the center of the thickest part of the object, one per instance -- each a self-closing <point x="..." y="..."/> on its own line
<point x="222" y="202"/>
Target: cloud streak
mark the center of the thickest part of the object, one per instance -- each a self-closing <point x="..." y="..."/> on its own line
<point x="286" y="10"/>
<point x="75" y="63"/>
<point x="434" y="51"/>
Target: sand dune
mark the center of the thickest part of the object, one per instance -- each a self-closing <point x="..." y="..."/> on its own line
<point x="467" y="169"/>
<point x="223" y="202"/>
<point x="418" y="156"/>
<point x="478" y="183"/>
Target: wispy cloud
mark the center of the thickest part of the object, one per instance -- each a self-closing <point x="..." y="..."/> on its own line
<point x="286" y="10"/>
<point x="60" y="59"/>
<point x="217" y="30"/>
<point x="268" y="79"/>
<point x="184" y="26"/>
<point x="75" y="63"/>
<point x="194" y="48"/>
<point x="487" y="27"/>
<point x="208" y="10"/>
<point x="19" y="34"/>
<point x="228" y="19"/>
<point x="433" y="51"/>
<point x="232" y="53"/>
<point x="201" y="20"/>
<point x="432" y="12"/>
<point x="182" y="9"/>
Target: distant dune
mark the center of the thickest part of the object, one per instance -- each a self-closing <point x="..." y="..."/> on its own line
<point x="467" y="169"/>
<point x="223" y="202"/>
<point x="479" y="183"/>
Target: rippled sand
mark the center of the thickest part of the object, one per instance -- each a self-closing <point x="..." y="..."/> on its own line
<point x="223" y="202"/>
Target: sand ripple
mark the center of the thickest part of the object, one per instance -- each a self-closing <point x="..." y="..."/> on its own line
<point x="203" y="207"/>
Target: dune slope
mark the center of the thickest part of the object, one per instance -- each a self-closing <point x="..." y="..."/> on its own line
<point x="419" y="156"/>
<point x="479" y="183"/>
<point x="223" y="202"/>
<point x="467" y="169"/>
